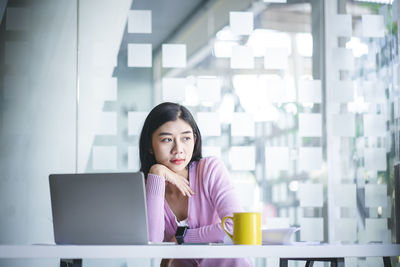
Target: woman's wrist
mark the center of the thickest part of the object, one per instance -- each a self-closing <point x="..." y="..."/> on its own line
<point x="157" y="169"/>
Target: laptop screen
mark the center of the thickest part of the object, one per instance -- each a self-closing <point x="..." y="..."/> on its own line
<point x="99" y="209"/>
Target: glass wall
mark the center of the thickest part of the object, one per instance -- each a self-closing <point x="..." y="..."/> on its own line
<point x="300" y="99"/>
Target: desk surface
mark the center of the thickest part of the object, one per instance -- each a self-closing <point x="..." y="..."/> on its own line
<point x="199" y="251"/>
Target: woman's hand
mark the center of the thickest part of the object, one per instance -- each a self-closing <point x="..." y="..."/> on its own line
<point x="173" y="178"/>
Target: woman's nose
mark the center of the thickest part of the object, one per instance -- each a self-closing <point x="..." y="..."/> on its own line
<point x="177" y="147"/>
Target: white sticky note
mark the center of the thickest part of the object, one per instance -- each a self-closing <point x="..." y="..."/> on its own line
<point x="310" y="124"/>
<point x="103" y="55"/>
<point x="242" y="57"/>
<point x="276" y="91"/>
<point x="345" y="229"/>
<point x="106" y="86"/>
<point x="242" y="124"/>
<point x="342" y="58"/>
<point x="376" y="229"/>
<point x="374" y="125"/>
<point x="107" y="124"/>
<point x="139" y="21"/>
<point x="17" y="19"/>
<point x="374" y="92"/>
<point x="341" y="91"/>
<point x="211" y="151"/>
<point x="133" y="158"/>
<point x="174" y="55"/>
<point x="135" y="122"/>
<point x="241" y="23"/>
<point x="343" y="125"/>
<point x="209" y="123"/>
<point x="209" y="89"/>
<point x="104" y="157"/>
<point x="375" y="159"/>
<point x="310" y="195"/>
<point x="342" y="26"/>
<point x="376" y="195"/>
<point x="276" y="222"/>
<point x="310" y="158"/>
<point x="345" y="195"/>
<point x="275" y="1"/>
<point x="312" y="229"/>
<point x="242" y="158"/>
<point x="277" y="158"/>
<point x="372" y="26"/>
<point x="139" y="55"/>
<point x="310" y="91"/>
<point x="276" y="58"/>
<point x="174" y="89"/>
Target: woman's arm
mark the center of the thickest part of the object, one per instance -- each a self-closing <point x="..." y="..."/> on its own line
<point x="220" y="191"/>
<point x="157" y="178"/>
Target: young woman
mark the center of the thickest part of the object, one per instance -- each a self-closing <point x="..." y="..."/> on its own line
<point x="187" y="195"/>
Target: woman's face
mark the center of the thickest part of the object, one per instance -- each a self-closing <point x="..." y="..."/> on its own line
<point x="173" y="144"/>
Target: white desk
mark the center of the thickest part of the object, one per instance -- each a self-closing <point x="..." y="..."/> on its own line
<point x="323" y="251"/>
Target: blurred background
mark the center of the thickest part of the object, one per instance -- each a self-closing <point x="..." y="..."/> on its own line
<point x="300" y="99"/>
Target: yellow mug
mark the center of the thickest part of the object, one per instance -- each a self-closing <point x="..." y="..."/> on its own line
<point x="246" y="228"/>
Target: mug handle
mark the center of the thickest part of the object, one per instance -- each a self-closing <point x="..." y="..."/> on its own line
<point x="223" y="226"/>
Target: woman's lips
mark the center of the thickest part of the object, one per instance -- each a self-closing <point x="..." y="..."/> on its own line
<point x="178" y="161"/>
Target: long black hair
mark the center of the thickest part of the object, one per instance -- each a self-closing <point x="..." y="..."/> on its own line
<point x="159" y="115"/>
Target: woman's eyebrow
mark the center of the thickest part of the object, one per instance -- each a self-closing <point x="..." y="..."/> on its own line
<point x="164" y="133"/>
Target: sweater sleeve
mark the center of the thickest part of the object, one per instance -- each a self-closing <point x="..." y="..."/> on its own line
<point x="220" y="191"/>
<point x="155" y="193"/>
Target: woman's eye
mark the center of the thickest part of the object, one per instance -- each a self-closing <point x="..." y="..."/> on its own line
<point x="186" y="138"/>
<point x="166" y="140"/>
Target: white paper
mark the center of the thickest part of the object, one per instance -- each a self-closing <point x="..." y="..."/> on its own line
<point x="242" y="158"/>
<point x="341" y="92"/>
<point x="277" y="158"/>
<point x="209" y="89"/>
<point x="103" y="56"/>
<point x="174" y="55"/>
<point x="310" y="124"/>
<point x="345" y="229"/>
<point x="309" y="91"/>
<point x="276" y="222"/>
<point x="135" y="122"/>
<point x="342" y="58"/>
<point x="104" y="157"/>
<point x="242" y="124"/>
<point x="211" y="151"/>
<point x="107" y="124"/>
<point x="376" y="195"/>
<point x="174" y="89"/>
<point x="376" y="229"/>
<point x="242" y="57"/>
<point x="374" y="125"/>
<point x="276" y="58"/>
<point x="133" y="158"/>
<point x="241" y="23"/>
<point x="342" y="26"/>
<point x="343" y="125"/>
<point x="374" y="92"/>
<point x="139" y="55"/>
<point x="310" y="195"/>
<point x="139" y="21"/>
<point x="107" y="87"/>
<point x="209" y="123"/>
<point x="310" y="158"/>
<point x="276" y="91"/>
<point x="17" y="19"/>
<point x="311" y="229"/>
<point x="372" y="26"/>
<point x="345" y="195"/>
<point x="375" y="159"/>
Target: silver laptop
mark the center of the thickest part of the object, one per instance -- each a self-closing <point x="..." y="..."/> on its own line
<point x="99" y="209"/>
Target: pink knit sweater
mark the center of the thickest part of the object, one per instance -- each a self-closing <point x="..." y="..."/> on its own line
<point x="214" y="198"/>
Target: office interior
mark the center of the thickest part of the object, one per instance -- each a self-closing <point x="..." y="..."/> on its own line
<point x="300" y="99"/>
